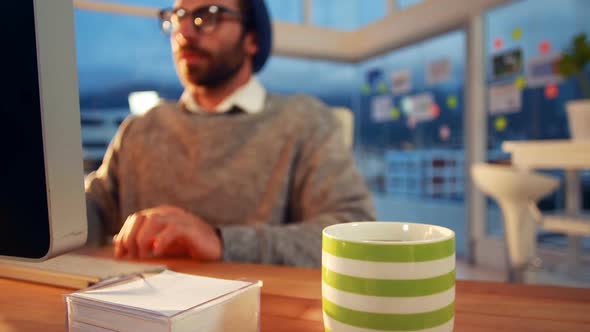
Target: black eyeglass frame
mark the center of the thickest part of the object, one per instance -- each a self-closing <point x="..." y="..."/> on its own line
<point x="205" y="19"/>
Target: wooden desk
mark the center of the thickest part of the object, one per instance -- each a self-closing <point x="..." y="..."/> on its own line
<point x="291" y="302"/>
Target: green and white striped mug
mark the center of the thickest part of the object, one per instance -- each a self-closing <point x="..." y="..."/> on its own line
<point x="388" y="276"/>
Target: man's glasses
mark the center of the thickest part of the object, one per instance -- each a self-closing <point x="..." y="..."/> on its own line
<point x="204" y="19"/>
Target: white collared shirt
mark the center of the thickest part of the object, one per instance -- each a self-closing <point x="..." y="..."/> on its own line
<point x="249" y="98"/>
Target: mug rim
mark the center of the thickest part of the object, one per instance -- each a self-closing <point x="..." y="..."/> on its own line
<point x="449" y="232"/>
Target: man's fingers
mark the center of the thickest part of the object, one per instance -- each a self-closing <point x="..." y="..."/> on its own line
<point x="167" y="230"/>
<point x="118" y="246"/>
<point x="146" y="236"/>
<point x="129" y="238"/>
<point x="166" y="238"/>
<point x="120" y="250"/>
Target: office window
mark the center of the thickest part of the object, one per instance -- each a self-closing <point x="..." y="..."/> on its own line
<point x="117" y="55"/>
<point x="527" y="97"/>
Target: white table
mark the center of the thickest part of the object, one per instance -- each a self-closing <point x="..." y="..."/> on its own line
<point x="569" y="155"/>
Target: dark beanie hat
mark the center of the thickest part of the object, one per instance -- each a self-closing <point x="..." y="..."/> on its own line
<point x="262" y="25"/>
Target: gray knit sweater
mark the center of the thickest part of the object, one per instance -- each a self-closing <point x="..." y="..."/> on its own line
<point x="269" y="181"/>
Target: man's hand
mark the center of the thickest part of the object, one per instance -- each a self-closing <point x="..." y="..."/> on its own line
<point x="167" y="231"/>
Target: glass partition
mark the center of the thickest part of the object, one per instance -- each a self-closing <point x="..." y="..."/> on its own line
<point x="410" y="132"/>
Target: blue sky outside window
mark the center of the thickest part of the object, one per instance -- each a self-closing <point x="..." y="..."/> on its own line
<point x="347" y="14"/>
<point x="286" y="10"/>
<point x="405" y="4"/>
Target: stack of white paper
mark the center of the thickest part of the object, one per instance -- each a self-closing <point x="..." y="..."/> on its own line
<point x="167" y="301"/>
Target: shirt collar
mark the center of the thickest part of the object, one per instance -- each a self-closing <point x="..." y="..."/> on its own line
<point x="249" y="98"/>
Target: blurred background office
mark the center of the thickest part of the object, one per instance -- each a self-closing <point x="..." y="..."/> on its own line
<point x="430" y="91"/>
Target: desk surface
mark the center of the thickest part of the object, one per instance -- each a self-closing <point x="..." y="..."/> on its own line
<point x="558" y="154"/>
<point x="291" y="302"/>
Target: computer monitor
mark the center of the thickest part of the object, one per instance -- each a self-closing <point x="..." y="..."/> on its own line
<point x="42" y="205"/>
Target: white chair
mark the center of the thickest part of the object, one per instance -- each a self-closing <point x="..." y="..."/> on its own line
<point x="346" y="120"/>
<point x="516" y="192"/>
<point x="569" y="225"/>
